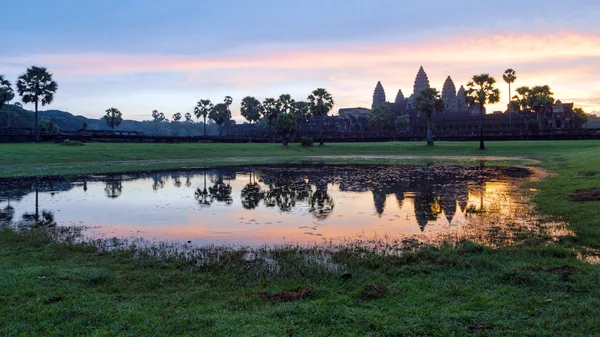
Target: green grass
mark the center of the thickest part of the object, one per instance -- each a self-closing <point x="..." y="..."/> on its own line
<point x="532" y="289"/>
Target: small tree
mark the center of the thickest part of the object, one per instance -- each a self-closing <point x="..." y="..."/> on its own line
<point x="286" y="126"/>
<point x="481" y="92"/>
<point x="203" y="108"/>
<point x="380" y="119"/>
<point x="581" y="115"/>
<point x="321" y="103"/>
<point x="177" y="117"/>
<point x="401" y="124"/>
<point x="427" y="102"/>
<point x="188" y="117"/>
<point x="251" y="109"/>
<point x="270" y="112"/>
<point x="301" y="112"/>
<point x="220" y="114"/>
<point x="36" y="86"/>
<point x="113" y="118"/>
<point x="6" y="91"/>
<point x="541" y="98"/>
<point x="228" y="100"/>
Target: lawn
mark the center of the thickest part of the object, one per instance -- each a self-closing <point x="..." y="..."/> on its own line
<point x="47" y="288"/>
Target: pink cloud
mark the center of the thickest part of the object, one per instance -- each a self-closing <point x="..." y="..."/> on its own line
<point x="566" y="60"/>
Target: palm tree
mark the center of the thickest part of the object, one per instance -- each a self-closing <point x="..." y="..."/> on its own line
<point x="177" y="117"/>
<point x="6" y="91"/>
<point x="429" y="101"/>
<point x="113" y="118"/>
<point x="510" y="76"/>
<point x="301" y="112"/>
<point x="321" y="103"/>
<point x="188" y="117"/>
<point x="6" y="95"/>
<point x="251" y="109"/>
<point x="35" y="86"/>
<point x="203" y="108"/>
<point x="220" y="114"/>
<point x="228" y="100"/>
<point x="270" y="111"/>
<point x="541" y="98"/>
<point x="285" y="104"/>
<point x="481" y="92"/>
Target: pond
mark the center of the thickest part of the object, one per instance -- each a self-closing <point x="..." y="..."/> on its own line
<point x="273" y="205"/>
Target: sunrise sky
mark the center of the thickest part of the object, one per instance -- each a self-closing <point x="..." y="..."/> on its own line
<point x="141" y="55"/>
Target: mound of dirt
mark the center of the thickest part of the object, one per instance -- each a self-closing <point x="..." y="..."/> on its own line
<point x="588" y="194"/>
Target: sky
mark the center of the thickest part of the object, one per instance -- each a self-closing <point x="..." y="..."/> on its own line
<point x="144" y="55"/>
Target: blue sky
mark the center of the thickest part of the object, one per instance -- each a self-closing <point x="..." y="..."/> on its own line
<point x="144" y="55"/>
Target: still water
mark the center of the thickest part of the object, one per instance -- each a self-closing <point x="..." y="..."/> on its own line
<point x="260" y="205"/>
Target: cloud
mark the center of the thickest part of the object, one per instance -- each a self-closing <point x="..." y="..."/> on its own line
<point x="566" y="60"/>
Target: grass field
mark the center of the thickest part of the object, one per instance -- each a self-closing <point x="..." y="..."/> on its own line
<point x="537" y="288"/>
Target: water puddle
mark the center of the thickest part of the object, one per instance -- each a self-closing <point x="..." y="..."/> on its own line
<point x="379" y="206"/>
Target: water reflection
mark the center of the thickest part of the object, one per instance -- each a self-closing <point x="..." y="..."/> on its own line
<point x="267" y="205"/>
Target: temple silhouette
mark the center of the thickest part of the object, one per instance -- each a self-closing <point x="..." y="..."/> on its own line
<point x="456" y="119"/>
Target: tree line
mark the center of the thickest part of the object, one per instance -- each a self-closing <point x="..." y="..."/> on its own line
<point x="285" y="116"/>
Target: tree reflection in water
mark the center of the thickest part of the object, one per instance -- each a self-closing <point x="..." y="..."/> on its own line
<point x="157" y="181"/>
<point x="202" y="195"/>
<point x="252" y="194"/>
<point x="113" y="188"/>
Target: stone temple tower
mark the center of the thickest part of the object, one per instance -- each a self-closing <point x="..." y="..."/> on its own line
<point x="449" y="94"/>
<point x="378" y="96"/>
<point x="400" y="102"/>
<point x="421" y="81"/>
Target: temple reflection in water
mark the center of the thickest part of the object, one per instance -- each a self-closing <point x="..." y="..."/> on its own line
<point x="271" y="205"/>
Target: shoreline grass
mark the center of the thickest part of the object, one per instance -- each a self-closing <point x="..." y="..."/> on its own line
<point x="49" y="288"/>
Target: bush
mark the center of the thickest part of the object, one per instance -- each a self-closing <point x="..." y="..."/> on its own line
<point x="72" y="143"/>
<point x="306" y="141"/>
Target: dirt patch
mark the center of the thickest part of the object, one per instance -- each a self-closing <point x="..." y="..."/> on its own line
<point x="588" y="194"/>
<point x="373" y="291"/>
<point x="54" y="299"/>
<point x="286" y="296"/>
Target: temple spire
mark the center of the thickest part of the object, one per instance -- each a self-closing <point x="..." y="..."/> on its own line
<point x="378" y="96"/>
<point x="400" y="97"/>
<point x="449" y="94"/>
<point x="421" y="81"/>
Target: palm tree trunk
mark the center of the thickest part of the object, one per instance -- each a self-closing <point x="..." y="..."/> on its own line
<point x="321" y="130"/>
<point x="429" y="133"/>
<point x="509" y="110"/>
<point x="481" y="144"/>
<point x="37" y="128"/>
<point x="204" y="126"/>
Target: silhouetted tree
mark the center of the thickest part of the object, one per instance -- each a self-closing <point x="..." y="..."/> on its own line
<point x="113" y="118"/>
<point x="177" y="117"/>
<point x="251" y="109"/>
<point x="270" y="112"/>
<point x="380" y="119"/>
<point x="188" y="117"/>
<point x="427" y="102"/>
<point x="301" y="112"/>
<point x="6" y="91"/>
<point x="286" y="126"/>
<point x="509" y="76"/>
<point x="220" y="114"/>
<point x="228" y="100"/>
<point x="203" y="108"/>
<point x="36" y="86"/>
<point x="321" y="103"/>
<point x="481" y="92"/>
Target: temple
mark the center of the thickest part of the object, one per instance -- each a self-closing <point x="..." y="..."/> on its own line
<point x="457" y="118"/>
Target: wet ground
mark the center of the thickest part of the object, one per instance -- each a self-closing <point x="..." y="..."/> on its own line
<point x="301" y="204"/>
